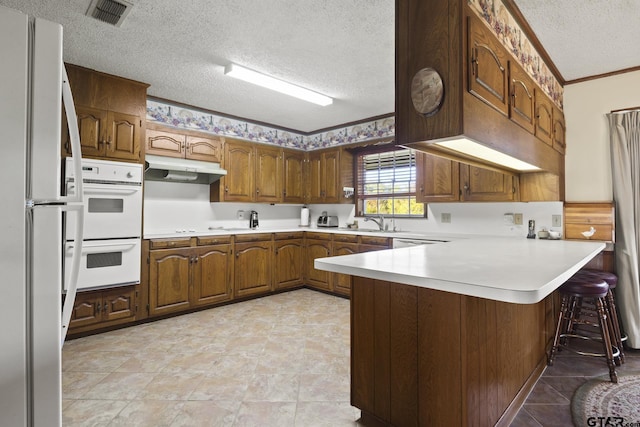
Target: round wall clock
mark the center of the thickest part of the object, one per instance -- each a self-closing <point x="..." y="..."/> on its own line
<point x="427" y="91"/>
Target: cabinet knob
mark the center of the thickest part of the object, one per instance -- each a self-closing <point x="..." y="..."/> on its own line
<point x="226" y="189"/>
<point x="97" y="309"/>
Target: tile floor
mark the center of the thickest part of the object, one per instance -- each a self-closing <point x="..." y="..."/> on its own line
<point x="281" y="360"/>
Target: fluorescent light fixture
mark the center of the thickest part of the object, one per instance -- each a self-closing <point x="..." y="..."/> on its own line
<point x="259" y="79"/>
<point x="472" y="148"/>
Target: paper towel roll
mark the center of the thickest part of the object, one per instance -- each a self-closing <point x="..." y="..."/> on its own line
<point x="304" y="217"/>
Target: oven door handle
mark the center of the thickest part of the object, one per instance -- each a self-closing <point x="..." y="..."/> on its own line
<point x="105" y="189"/>
<point x="94" y="248"/>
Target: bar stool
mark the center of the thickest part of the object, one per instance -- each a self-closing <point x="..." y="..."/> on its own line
<point x="572" y="312"/>
<point x="612" y="281"/>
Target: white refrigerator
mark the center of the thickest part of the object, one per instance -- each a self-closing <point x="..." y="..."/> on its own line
<point x="33" y="322"/>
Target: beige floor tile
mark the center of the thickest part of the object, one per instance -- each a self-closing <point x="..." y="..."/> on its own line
<point x="95" y="413"/>
<point x="207" y="414"/>
<point x="147" y="361"/>
<point x="192" y="362"/>
<point x="324" y="388"/>
<point x="171" y="386"/>
<point x="266" y="414"/>
<point x="120" y="386"/>
<point x="273" y="388"/>
<point x="75" y="385"/>
<point x="97" y="361"/>
<point x="326" y="414"/>
<point x="222" y="387"/>
<point x="145" y="413"/>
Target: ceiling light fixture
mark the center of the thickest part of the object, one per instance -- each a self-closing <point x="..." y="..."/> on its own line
<point x="259" y="79"/>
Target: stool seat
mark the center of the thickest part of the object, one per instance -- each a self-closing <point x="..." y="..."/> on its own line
<point x="585" y="287"/>
<point x="610" y="278"/>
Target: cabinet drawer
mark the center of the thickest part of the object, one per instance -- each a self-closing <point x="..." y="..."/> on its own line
<point x="348" y="238"/>
<point x="213" y="240"/>
<point x="375" y="240"/>
<point x="289" y="236"/>
<point x="170" y="243"/>
<point x="603" y="231"/>
<point x="252" y="237"/>
<point x="319" y="236"/>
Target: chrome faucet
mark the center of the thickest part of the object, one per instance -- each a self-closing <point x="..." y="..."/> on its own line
<point x="380" y="223"/>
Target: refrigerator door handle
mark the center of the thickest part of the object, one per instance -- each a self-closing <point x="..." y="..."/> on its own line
<point x="74" y="136"/>
<point x="72" y="285"/>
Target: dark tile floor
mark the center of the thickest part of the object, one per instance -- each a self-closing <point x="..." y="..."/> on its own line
<point x="549" y="404"/>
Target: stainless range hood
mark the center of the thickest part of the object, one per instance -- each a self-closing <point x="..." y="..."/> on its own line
<point x="171" y="169"/>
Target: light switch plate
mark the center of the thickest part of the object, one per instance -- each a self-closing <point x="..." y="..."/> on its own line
<point x="445" y="218"/>
<point x="517" y="219"/>
<point x="556" y="220"/>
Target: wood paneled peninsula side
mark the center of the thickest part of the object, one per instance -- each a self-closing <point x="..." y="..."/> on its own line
<point x="454" y="333"/>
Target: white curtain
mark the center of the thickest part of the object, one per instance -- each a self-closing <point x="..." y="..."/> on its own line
<point x="624" y="130"/>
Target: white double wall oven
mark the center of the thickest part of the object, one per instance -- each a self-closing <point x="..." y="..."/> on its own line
<point x="112" y="223"/>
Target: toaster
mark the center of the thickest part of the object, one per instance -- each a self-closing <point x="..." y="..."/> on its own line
<point x="327" y="221"/>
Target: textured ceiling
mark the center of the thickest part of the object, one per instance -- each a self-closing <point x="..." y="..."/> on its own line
<point x="344" y="49"/>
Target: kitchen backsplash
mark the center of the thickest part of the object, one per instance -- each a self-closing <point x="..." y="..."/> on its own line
<point x="176" y="206"/>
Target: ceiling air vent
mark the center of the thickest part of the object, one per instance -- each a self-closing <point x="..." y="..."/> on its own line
<point x="110" y="11"/>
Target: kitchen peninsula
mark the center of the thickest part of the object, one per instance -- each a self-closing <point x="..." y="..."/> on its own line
<point x="453" y="333"/>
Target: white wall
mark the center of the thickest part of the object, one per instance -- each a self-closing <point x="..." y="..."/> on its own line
<point x="588" y="170"/>
<point x="171" y="206"/>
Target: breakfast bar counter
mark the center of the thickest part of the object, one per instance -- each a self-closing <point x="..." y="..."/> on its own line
<point x="453" y="333"/>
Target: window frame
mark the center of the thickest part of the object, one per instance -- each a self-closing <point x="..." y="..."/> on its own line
<point x="360" y="198"/>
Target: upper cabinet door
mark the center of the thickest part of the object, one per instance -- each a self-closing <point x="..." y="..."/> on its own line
<point x="316" y="190"/>
<point x="521" y="107"/>
<point x="293" y="176"/>
<point x="487" y="67"/>
<point x="123" y="139"/>
<point x="91" y="125"/>
<point x="437" y="179"/>
<point x="544" y="114"/>
<point x="239" y="161"/>
<point x="485" y="185"/>
<point x="268" y="175"/>
<point x="164" y="143"/>
<point x="331" y="171"/>
<point x="559" y="130"/>
<point x="206" y="149"/>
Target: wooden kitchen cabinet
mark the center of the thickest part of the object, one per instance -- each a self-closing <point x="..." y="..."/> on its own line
<point x="293" y="176"/>
<point x="439" y="179"/>
<point x="317" y="245"/>
<point x="544" y="119"/>
<point x="521" y="105"/>
<point x="342" y="282"/>
<point x="559" y="131"/>
<point x="111" y="115"/>
<point x="485" y="185"/>
<point x="97" y="309"/>
<point x="212" y="275"/>
<point x="167" y="142"/>
<point x="169" y="280"/>
<point x="288" y="261"/>
<point x="268" y="174"/>
<point x="329" y="171"/>
<point x="487" y="67"/>
<point x="253" y="263"/>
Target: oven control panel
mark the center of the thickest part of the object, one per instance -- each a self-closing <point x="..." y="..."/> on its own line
<point x="106" y="171"/>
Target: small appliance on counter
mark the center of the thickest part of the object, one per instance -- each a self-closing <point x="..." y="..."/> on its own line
<point x="325" y="220"/>
<point x="253" y="220"/>
<point x="532" y="229"/>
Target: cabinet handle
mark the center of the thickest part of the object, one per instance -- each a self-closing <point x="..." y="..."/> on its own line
<point x="104" y="307"/>
<point x="108" y="142"/>
<point x="466" y="187"/>
<point x="474" y="62"/>
<point x="226" y="189"/>
<point x="422" y="189"/>
<point x="97" y="309"/>
<point x="257" y="191"/>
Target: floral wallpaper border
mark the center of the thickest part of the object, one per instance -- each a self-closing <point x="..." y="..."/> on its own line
<point x="504" y="26"/>
<point x="192" y="119"/>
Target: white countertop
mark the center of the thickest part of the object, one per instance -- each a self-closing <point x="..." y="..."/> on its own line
<point x="515" y="270"/>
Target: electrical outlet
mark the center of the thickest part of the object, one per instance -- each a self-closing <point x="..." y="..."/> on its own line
<point x="556" y="220"/>
<point x="240" y="214"/>
<point x="445" y="218"/>
<point x="517" y="219"/>
<point x="508" y="219"/>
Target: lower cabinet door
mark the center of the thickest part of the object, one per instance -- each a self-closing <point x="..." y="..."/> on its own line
<point x="86" y="309"/>
<point x="169" y="280"/>
<point x="252" y="270"/>
<point x="342" y="282"/>
<point x="119" y="304"/>
<point x="318" y="278"/>
<point x="212" y="275"/>
<point x="288" y="263"/>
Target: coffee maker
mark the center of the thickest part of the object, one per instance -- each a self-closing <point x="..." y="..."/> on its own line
<point x="253" y="220"/>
